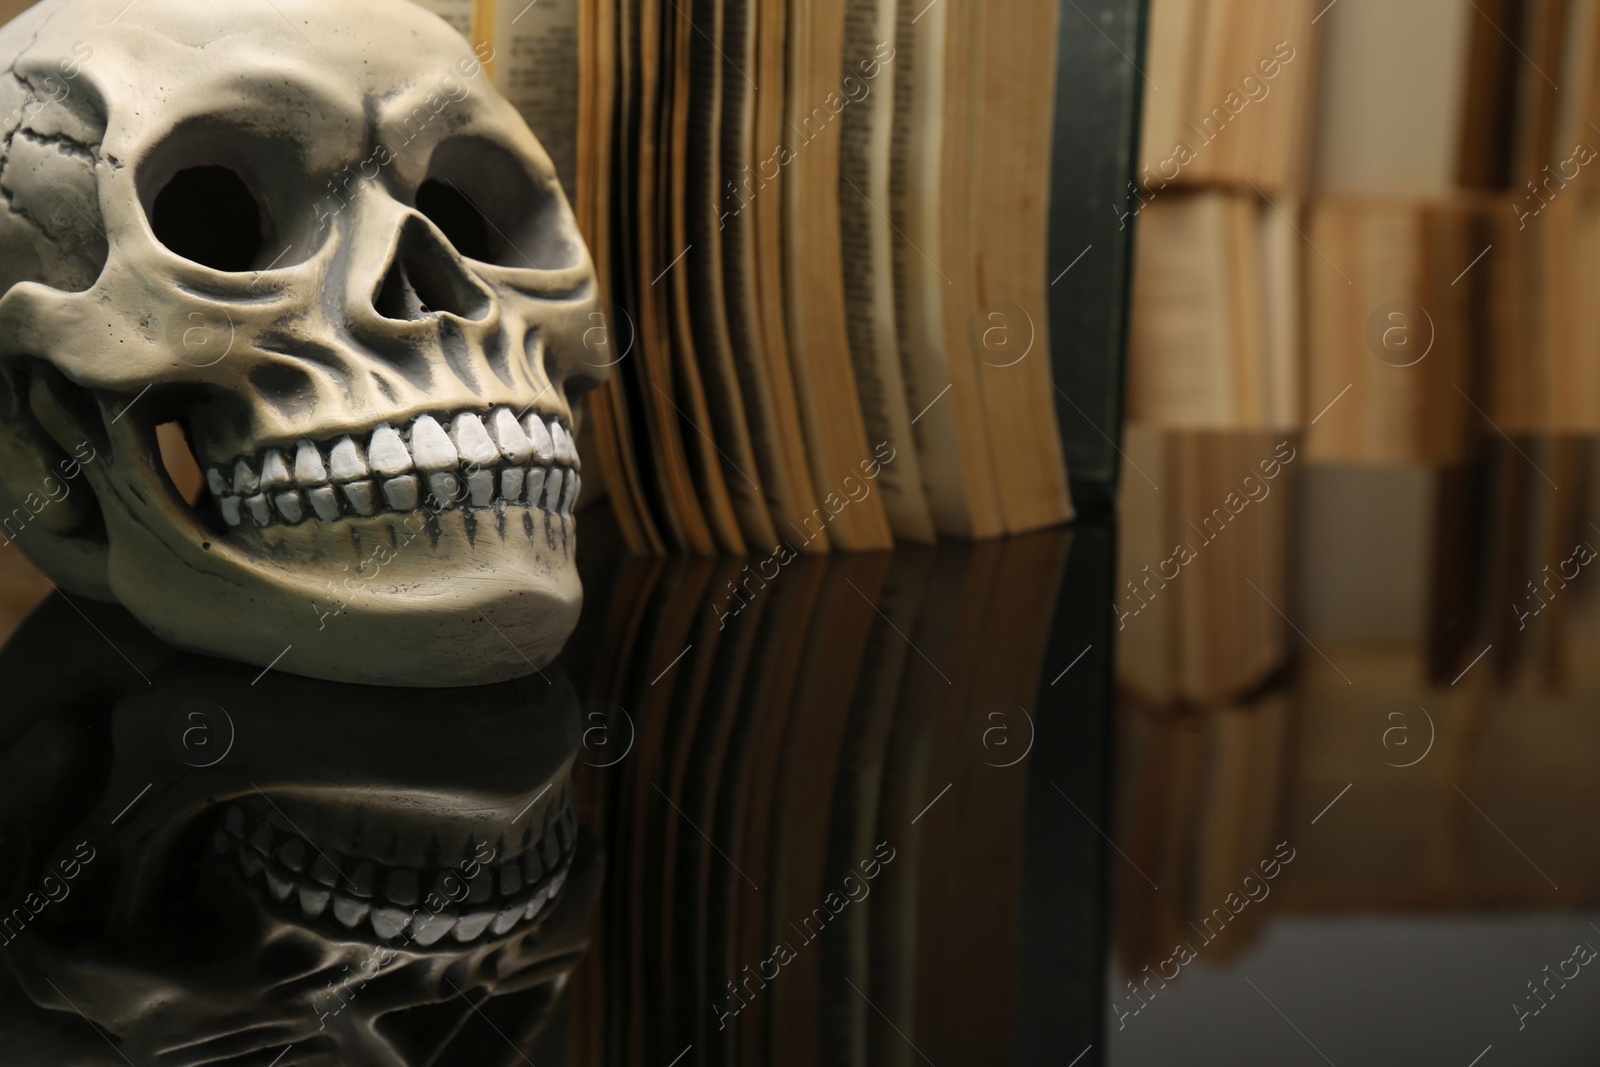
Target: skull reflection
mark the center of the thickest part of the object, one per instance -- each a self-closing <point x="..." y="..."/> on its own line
<point x="401" y="880"/>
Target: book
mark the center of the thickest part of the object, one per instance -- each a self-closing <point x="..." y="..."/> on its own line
<point x="701" y="288"/>
<point x="1375" y="55"/>
<point x="800" y="286"/>
<point x="1216" y="339"/>
<point x="751" y="41"/>
<point x="1544" y="365"/>
<point x="1010" y="267"/>
<point x="813" y="268"/>
<point x="1199" y="795"/>
<point x="1232" y="95"/>
<point x="865" y="183"/>
<point x="1393" y="335"/>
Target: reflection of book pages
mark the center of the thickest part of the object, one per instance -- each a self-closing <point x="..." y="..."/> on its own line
<point x="1435" y="851"/>
<point x="1212" y="774"/>
<point x="797" y="776"/>
<point x="1544" y="365"/>
<point x="1203" y="563"/>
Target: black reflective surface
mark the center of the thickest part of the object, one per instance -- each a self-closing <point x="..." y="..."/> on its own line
<point x="1315" y="800"/>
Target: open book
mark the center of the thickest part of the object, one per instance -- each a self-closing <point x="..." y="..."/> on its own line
<point x="836" y="300"/>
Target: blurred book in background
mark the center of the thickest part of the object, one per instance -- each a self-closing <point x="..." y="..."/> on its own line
<point x="1407" y="282"/>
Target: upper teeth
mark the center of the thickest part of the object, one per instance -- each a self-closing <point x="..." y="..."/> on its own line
<point x="531" y="461"/>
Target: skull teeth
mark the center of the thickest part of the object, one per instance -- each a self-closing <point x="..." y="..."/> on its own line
<point x="292" y="506"/>
<point x="510" y="437"/>
<point x="245" y="482"/>
<point x="431" y="447"/>
<point x="324" y="503"/>
<point x="472" y="442"/>
<point x="387" y="453"/>
<point x="308" y="466"/>
<point x="544" y="451"/>
<point x="481" y="462"/>
<point x="275" y="472"/>
<point x="463" y="901"/>
<point x="401" y="493"/>
<point x="345" y="461"/>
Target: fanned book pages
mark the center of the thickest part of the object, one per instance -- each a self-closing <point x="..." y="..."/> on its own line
<point x="814" y="273"/>
<point x="932" y="219"/>
<point x="864" y="184"/>
<point x="820" y="229"/>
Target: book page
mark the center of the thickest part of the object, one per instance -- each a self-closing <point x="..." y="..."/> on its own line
<point x="868" y="255"/>
<point x="774" y="422"/>
<point x="1282" y="252"/>
<point x="698" y="286"/>
<point x="1377" y="53"/>
<point x="608" y="405"/>
<point x="918" y="282"/>
<point x="710" y="463"/>
<point x="458" y="13"/>
<point x="1180" y="350"/>
<point x="536" y="66"/>
<point x="768" y="159"/>
<point x="1009" y="343"/>
<point x="813" y="280"/>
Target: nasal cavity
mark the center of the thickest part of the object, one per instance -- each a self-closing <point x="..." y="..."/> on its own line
<point x="424" y="278"/>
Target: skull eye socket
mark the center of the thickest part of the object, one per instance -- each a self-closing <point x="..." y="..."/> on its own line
<point x="208" y="214"/>
<point x="495" y="208"/>
<point x="457" y="218"/>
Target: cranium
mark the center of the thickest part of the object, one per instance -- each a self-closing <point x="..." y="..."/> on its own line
<point x="313" y="236"/>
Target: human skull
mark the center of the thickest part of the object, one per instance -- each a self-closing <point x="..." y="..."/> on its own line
<point x="313" y="236"/>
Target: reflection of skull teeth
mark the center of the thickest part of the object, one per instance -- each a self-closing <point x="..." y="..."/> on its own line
<point x="478" y="464"/>
<point x="422" y="906"/>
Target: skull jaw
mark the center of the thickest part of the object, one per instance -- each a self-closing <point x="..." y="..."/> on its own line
<point x="75" y="564"/>
<point x="503" y="613"/>
<point x="434" y="599"/>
